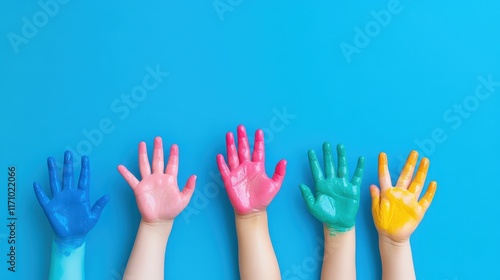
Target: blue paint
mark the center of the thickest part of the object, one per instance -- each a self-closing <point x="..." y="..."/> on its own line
<point x="66" y="264"/>
<point x="78" y="84"/>
<point x="69" y="213"/>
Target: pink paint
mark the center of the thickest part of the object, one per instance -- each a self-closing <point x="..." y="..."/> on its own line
<point x="247" y="185"/>
<point x="157" y="194"/>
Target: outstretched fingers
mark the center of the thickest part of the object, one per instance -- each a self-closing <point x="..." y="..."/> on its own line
<point x="418" y="183"/>
<point x="279" y="173"/>
<point x="408" y="170"/>
<point x="243" y="146"/>
<point x="40" y="195"/>
<point x="55" y="185"/>
<point x="343" y="170"/>
<point x="375" y="195"/>
<point x="307" y="195"/>
<point x="188" y="190"/>
<point x="384" y="176"/>
<point x="223" y="169"/>
<point x="128" y="176"/>
<point x="173" y="161"/>
<point x="358" y="174"/>
<point x="328" y="159"/>
<point x="315" y="166"/>
<point x="232" y="154"/>
<point x="426" y="201"/>
<point x="158" y="161"/>
<point x="144" y="166"/>
<point x="84" y="181"/>
<point x="67" y="180"/>
<point x="258" y="150"/>
<point x="99" y="206"/>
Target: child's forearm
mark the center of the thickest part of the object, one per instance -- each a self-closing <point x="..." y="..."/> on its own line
<point x="339" y="261"/>
<point x="67" y="261"/>
<point x="397" y="261"/>
<point x="256" y="255"/>
<point x="148" y="255"/>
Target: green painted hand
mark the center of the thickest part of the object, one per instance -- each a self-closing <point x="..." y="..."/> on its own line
<point x="336" y="201"/>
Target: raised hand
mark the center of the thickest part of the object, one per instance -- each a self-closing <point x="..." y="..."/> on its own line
<point x="336" y="200"/>
<point x="247" y="185"/>
<point x="397" y="210"/>
<point x="157" y="194"/>
<point x="69" y="212"/>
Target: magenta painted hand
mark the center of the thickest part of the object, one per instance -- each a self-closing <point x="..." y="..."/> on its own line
<point x="247" y="185"/>
<point x="157" y="194"/>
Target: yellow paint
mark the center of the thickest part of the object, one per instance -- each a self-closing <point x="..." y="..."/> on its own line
<point x="397" y="210"/>
<point x="382" y="165"/>
<point x="407" y="172"/>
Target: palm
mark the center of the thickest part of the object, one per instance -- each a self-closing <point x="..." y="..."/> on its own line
<point x="336" y="200"/>
<point x="69" y="211"/>
<point x="157" y="194"/>
<point x="336" y="205"/>
<point x="64" y="207"/>
<point x="399" y="214"/>
<point x="159" y="197"/>
<point x="396" y="209"/>
<point x="247" y="184"/>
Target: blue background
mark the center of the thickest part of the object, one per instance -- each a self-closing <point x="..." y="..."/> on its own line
<point x="243" y="66"/>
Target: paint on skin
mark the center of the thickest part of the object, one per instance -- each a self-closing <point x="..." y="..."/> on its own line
<point x="336" y="200"/>
<point x="66" y="264"/>
<point x="407" y="172"/>
<point x="249" y="188"/>
<point x="397" y="209"/>
<point x="70" y="215"/>
<point x="157" y="195"/>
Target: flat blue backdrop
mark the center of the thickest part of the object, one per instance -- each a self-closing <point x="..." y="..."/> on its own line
<point x="374" y="75"/>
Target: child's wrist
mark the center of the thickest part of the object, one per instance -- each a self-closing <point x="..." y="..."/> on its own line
<point x="387" y="241"/>
<point x="335" y="230"/>
<point x="69" y="243"/>
<point x="161" y="226"/>
<point x="253" y="222"/>
<point x="338" y="239"/>
<point x="253" y="216"/>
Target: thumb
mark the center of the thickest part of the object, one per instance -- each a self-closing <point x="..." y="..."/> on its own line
<point x="40" y="195"/>
<point x="375" y="194"/>
<point x="99" y="206"/>
<point x="279" y="172"/>
<point x="307" y="195"/>
<point x="188" y="190"/>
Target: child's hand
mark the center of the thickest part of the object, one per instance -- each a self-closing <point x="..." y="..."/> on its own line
<point x="157" y="194"/>
<point x="336" y="200"/>
<point x="69" y="211"/>
<point x="397" y="210"/>
<point x="247" y="185"/>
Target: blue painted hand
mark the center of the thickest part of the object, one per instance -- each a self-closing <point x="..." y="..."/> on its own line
<point x="69" y="212"/>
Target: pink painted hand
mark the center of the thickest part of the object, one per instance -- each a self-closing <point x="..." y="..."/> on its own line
<point x="157" y="194"/>
<point x="247" y="185"/>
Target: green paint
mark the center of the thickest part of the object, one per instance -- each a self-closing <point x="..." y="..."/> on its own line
<point x="336" y="200"/>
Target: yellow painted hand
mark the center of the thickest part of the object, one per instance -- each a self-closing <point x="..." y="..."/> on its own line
<point x="397" y="210"/>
